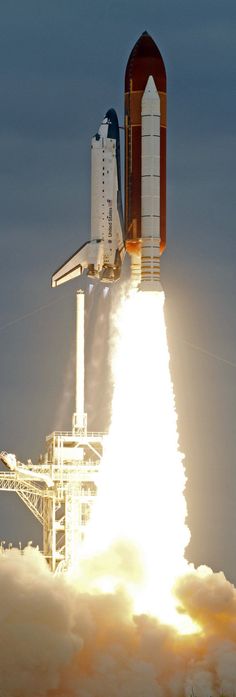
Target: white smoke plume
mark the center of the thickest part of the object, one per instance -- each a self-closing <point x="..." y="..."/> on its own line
<point x="61" y="638"/>
<point x="57" y="641"/>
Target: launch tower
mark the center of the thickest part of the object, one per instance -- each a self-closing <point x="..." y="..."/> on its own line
<point x="60" y="490"/>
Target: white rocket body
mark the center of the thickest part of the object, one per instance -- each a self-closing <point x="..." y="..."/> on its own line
<point x="102" y="256"/>
<point x="105" y="215"/>
<point x="150" y="189"/>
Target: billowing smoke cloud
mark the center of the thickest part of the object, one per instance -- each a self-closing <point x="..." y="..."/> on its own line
<point x="57" y="641"/>
<point x="63" y="636"/>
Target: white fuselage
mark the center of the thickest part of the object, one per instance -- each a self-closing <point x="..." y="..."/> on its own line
<point x="105" y="222"/>
<point x="103" y="254"/>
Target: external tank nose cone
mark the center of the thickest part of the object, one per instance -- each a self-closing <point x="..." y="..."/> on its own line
<point x="145" y="59"/>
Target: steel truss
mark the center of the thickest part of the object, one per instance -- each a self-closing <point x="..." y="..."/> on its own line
<point x="59" y="492"/>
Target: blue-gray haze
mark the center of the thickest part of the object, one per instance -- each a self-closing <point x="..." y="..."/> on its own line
<point x="62" y="66"/>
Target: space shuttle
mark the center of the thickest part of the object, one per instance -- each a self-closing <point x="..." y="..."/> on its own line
<point x="102" y="256"/>
<point x="142" y="234"/>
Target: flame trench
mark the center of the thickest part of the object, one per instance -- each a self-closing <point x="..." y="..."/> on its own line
<point x="140" y="511"/>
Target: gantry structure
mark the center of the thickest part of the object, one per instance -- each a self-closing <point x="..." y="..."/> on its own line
<point x="60" y="490"/>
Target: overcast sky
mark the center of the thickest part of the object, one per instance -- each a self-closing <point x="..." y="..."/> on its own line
<point x="62" y="66"/>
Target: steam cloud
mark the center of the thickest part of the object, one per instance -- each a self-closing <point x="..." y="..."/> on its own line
<point x="59" y="638"/>
<point x="57" y="641"/>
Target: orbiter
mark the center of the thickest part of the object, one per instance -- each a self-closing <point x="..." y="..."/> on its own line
<point x="143" y="233"/>
<point x="103" y="255"/>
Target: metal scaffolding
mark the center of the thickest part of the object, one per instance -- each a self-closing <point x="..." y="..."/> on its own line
<point x="61" y="489"/>
<point x="29" y="492"/>
<point x="59" y="493"/>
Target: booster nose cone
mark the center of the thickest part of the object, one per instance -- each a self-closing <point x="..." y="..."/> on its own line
<point x="150" y="89"/>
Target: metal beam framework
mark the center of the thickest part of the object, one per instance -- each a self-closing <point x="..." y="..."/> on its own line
<point x="60" y="492"/>
<point x="31" y="494"/>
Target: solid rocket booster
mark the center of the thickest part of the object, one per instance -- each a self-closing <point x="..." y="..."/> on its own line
<point x="150" y="187"/>
<point x="145" y="160"/>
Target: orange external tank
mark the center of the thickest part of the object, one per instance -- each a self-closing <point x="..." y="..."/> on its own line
<point x="145" y="60"/>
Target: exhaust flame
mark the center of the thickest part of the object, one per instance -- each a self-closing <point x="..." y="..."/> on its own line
<point x="59" y="639"/>
<point x="140" y="501"/>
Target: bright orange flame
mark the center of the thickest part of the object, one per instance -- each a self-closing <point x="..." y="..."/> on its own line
<point x="140" y="504"/>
